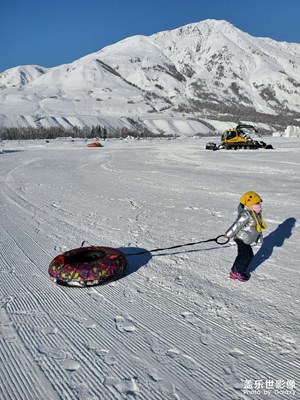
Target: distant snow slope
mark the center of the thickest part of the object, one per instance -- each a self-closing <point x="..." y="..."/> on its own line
<point x="175" y="326"/>
<point x="205" y="69"/>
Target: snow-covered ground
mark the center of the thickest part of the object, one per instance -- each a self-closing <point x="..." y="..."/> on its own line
<point x="175" y="326"/>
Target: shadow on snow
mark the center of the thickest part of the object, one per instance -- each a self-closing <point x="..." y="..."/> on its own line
<point x="9" y="151"/>
<point x="137" y="261"/>
<point x="274" y="239"/>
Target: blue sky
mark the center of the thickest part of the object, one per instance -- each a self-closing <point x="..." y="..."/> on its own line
<point x="54" y="32"/>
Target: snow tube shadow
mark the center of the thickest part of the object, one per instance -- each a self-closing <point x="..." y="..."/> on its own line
<point x="87" y="266"/>
<point x="135" y="261"/>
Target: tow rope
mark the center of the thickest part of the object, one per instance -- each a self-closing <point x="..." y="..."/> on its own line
<point x="216" y="240"/>
<point x="221" y="240"/>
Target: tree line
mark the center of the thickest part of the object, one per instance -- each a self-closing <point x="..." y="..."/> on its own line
<point x="137" y="131"/>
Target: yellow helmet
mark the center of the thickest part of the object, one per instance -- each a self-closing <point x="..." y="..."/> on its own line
<point x="250" y="198"/>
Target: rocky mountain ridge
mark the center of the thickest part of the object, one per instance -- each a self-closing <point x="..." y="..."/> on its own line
<point x="202" y="72"/>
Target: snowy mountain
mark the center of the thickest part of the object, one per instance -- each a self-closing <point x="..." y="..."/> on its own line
<point x="203" y="71"/>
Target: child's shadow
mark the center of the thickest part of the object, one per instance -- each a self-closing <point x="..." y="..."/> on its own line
<point x="274" y="239"/>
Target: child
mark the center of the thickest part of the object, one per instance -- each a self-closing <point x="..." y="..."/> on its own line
<point x="246" y="230"/>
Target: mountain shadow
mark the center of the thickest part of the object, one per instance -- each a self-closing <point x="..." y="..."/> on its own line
<point x="274" y="239"/>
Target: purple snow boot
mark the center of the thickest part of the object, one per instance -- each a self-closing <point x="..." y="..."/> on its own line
<point x="234" y="274"/>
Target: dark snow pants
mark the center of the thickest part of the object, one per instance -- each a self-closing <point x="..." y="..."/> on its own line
<point x="244" y="256"/>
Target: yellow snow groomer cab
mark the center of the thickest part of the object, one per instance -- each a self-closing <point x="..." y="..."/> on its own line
<point x="238" y="138"/>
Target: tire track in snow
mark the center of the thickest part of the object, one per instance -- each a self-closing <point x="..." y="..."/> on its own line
<point x="136" y="345"/>
<point x="28" y="283"/>
<point x="238" y="342"/>
<point x="108" y="329"/>
<point x="175" y="372"/>
<point x="50" y="344"/>
<point x="207" y="312"/>
<point x="19" y="365"/>
<point x="10" y="245"/>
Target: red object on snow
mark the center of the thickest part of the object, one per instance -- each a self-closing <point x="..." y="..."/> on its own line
<point x="95" y="144"/>
<point x="87" y="266"/>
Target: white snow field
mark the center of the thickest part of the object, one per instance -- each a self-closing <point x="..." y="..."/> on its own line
<point x="175" y="326"/>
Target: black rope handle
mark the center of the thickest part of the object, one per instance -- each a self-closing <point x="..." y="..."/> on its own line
<point x="217" y="240"/>
<point x="224" y="240"/>
<point x="89" y="244"/>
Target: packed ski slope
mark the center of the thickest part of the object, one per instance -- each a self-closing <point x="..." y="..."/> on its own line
<point x="175" y="326"/>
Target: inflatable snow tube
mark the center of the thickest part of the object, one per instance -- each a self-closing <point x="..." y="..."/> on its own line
<point x="87" y="266"/>
<point x="95" y="144"/>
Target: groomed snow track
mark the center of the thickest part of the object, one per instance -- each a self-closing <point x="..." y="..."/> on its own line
<point x="175" y="327"/>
